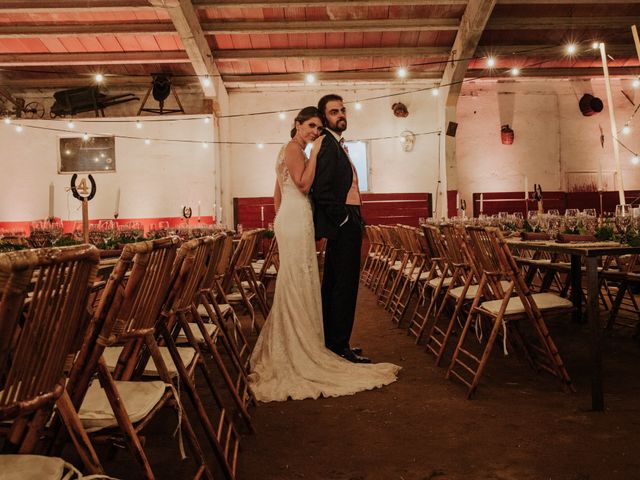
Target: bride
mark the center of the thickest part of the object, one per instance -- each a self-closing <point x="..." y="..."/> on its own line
<point x="290" y="359"/>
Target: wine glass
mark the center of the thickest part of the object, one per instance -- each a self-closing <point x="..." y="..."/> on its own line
<point x="623" y="218"/>
<point x="571" y="219"/>
<point x="534" y="219"/>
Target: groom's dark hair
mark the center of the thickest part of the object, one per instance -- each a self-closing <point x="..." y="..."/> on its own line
<point x="322" y="105"/>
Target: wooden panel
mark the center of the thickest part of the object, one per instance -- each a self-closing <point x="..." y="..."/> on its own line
<point x="495" y="202"/>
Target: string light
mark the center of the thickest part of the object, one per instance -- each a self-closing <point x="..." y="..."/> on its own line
<point x="491" y="62"/>
<point x="282" y="116"/>
<point x="138" y="124"/>
<point x="19" y="128"/>
<point x="572" y="48"/>
<point x="206" y="119"/>
<point x="401" y="72"/>
<point x="205" y="145"/>
<point x="515" y="71"/>
<point x="147" y="141"/>
<point x="206" y="81"/>
<point x="99" y="77"/>
<point x="7" y="120"/>
<point x="357" y="105"/>
<point x="626" y="130"/>
<point x="85" y="137"/>
<point x="435" y="91"/>
<point x="310" y="78"/>
<point x="260" y="146"/>
<point x="635" y="83"/>
<point x="595" y="45"/>
<point x="635" y="160"/>
<point x="70" y="124"/>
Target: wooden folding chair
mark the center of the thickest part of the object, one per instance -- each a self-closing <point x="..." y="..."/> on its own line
<point x="433" y="288"/>
<point x="127" y="314"/>
<point x="512" y="314"/>
<point x="375" y="245"/>
<point x="44" y="295"/>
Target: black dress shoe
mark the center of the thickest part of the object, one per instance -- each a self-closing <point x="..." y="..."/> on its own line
<point x="348" y="354"/>
<point x="356" y="350"/>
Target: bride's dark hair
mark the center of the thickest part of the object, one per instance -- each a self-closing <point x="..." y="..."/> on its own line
<point x="303" y="115"/>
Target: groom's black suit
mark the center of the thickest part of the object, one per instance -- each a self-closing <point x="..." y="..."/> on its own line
<point x="341" y="225"/>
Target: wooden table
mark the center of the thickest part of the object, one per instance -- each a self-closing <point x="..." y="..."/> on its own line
<point x="590" y="252"/>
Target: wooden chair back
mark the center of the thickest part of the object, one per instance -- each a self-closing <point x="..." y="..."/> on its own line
<point x="40" y="328"/>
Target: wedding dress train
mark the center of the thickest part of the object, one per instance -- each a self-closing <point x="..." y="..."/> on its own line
<point x="290" y="359"/>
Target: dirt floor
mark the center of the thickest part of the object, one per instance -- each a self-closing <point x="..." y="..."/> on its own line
<point x="520" y="425"/>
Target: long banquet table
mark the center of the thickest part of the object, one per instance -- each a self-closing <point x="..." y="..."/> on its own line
<point x="590" y="252"/>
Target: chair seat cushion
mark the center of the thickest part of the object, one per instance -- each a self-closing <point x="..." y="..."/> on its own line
<point x="544" y="301"/>
<point x="138" y="398"/>
<point x="31" y="467"/>
<point x="434" y="282"/>
<point x="197" y="333"/>
<point x="472" y="291"/>
<point x="224" y="308"/>
<point x="187" y="354"/>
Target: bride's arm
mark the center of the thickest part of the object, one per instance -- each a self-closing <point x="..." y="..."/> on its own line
<point x="302" y="174"/>
<point x="277" y="196"/>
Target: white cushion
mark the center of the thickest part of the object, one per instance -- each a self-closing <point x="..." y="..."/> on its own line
<point x="434" y="282"/>
<point x="224" y="308"/>
<point x="111" y="355"/>
<point x="195" y="330"/>
<point x="31" y="467"/>
<point x="544" y="301"/>
<point x="473" y="289"/>
<point x="138" y="398"/>
<point x="245" y="284"/>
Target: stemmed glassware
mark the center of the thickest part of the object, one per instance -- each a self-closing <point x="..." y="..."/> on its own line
<point x="571" y="219"/>
<point x="624" y="219"/>
<point x="534" y="219"/>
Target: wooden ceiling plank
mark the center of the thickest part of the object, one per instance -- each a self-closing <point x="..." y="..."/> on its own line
<point x="93" y="58"/>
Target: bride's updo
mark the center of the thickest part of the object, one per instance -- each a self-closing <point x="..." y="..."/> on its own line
<point x="303" y="115"/>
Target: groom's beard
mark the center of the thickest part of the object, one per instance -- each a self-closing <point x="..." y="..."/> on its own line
<point x="338" y="127"/>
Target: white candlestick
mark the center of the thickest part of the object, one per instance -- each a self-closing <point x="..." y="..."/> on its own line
<point x="600" y="175"/>
<point x="51" y="200"/>
<point x="214" y="212"/>
<point x="457" y="200"/>
<point x="262" y="215"/>
<point x="526" y="187"/>
<point x="481" y="202"/>
<point x="116" y="211"/>
<point x="220" y="216"/>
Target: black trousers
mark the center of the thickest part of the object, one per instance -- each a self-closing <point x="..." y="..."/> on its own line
<point x="340" y="282"/>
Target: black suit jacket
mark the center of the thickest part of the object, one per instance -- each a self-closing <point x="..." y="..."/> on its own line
<point x="333" y="179"/>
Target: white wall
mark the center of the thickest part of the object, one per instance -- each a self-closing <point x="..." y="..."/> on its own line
<point x="391" y="169"/>
<point x="552" y="138"/>
<point x="155" y="180"/>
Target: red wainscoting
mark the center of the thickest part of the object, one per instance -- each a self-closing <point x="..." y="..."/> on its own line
<point x="494" y="202"/>
<point x="377" y="208"/>
<point x="69" y="225"/>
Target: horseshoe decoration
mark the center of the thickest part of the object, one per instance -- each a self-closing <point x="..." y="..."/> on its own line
<point x="74" y="188"/>
<point x="186" y="212"/>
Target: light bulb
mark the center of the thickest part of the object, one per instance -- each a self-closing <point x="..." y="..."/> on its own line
<point x="401" y="72"/>
<point x="435" y="91"/>
<point x="281" y="116"/>
<point x="70" y="124"/>
<point x="147" y="141"/>
<point x="635" y="83"/>
<point x="99" y="77"/>
<point x="260" y="145"/>
<point x="310" y="78"/>
<point x="491" y="62"/>
<point x="515" y="71"/>
<point x="626" y="129"/>
<point x="635" y="160"/>
<point x="7" y="120"/>
<point x="595" y="45"/>
<point x="85" y="137"/>
<point x="138" y="124"/>
<point x="19" y="128"/>
<point x="357" y="106"/>
<point x="571" y="48"/>
<point x="206" y="119"/>
<point x="206" y="82"/>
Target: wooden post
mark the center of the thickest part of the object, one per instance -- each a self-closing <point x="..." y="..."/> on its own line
<point x="612" y="120"/>
<point x="85" y="220"/>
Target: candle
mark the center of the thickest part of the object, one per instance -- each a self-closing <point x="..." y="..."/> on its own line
<point x="51" y="200"/>
<point x="198" y="208"/>
<point x="262" y="215"/>
<point x="526" y="187"/>
<point x="599" y="175"/>
<point x="457" y="200"/>
<point x="481" y="202"/>
<point x="116" y="212"/>
<point x="220" y="213"/>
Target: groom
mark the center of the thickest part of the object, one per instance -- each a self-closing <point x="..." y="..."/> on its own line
<point x="336" y="217"/>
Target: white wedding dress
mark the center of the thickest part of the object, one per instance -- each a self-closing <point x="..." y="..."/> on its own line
<point x="290" y="359"/>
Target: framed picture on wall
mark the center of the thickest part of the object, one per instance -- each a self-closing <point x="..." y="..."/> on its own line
<point x="91" y="155"/>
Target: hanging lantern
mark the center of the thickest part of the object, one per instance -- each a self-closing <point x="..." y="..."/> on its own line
<point x="590" y="105"/>
<point x="506" y="135"/>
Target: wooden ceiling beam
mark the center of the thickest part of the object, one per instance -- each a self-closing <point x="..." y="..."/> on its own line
<point x="95" y="58"/>
<point x="185" y="20"/>
<point x="243" y="54"/>
<point x="553" y="23"/>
